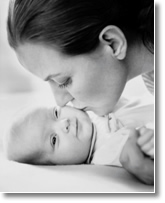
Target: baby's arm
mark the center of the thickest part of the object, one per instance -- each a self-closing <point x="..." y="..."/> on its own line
<point x="146" y="141"/>
<point x="135" y="161"/>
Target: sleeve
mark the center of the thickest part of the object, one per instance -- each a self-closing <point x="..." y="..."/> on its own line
<point x="149" y="81"/>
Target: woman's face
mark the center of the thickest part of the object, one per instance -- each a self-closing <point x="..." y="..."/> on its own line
<point x="92" y="81"/>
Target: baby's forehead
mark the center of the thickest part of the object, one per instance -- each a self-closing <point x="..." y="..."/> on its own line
<point x="28" y="130"/>
<point x="38" y="121"/>
<point x="32" y="123"/>
<point x="41" y="114"/>
<point x="35" y="123"/>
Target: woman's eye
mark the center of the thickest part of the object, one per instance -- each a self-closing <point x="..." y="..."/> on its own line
<point x="66" y="83"/>
<point x="62" y="85"/>
<point x="53" y="140"/>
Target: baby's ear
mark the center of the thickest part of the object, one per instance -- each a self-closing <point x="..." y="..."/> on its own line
<point x="113" y="37"/>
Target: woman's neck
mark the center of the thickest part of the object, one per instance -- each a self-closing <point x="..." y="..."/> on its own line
<point x="139" y="60"/>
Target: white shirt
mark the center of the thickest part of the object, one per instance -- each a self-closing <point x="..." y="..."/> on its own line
<point x="111" y="132"/>
<point x="107" y="143"/>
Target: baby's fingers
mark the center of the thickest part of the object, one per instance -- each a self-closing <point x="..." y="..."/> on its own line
<point x="148" y="148"/>
<point x="145" y="136"/>
<point x="151" y="153"/>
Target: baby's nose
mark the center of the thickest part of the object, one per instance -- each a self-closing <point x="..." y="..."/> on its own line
<point x="65" y="125"/>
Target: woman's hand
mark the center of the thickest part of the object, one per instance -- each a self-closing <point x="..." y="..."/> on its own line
<point x="146" y="141"/>
<point x="135" y="161"/>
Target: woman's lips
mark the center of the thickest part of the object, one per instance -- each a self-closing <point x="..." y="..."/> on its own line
<point x="80" y="106"/>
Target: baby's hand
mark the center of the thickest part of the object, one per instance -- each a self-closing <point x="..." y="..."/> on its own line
<point x="134" y="160"/>
<point x="146" y="141"/>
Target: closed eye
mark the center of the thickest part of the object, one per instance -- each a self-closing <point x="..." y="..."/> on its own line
<point x="66" y="83"/>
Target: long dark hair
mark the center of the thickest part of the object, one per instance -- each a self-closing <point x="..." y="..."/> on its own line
<point x="73" y="26"/>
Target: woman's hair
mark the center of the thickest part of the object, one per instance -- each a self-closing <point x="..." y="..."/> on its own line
<point x="73" y="26"/>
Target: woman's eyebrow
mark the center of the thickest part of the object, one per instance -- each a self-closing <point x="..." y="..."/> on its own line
<point x="51" y="76"/>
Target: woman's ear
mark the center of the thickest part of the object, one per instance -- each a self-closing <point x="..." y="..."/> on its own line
<point x="115" y="39"/>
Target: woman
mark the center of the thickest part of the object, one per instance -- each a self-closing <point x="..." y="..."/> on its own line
<point x="86" y="49"/>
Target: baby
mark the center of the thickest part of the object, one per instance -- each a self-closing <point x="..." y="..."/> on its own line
<point x="50" y="136"/>
<point x="62" y="136"/>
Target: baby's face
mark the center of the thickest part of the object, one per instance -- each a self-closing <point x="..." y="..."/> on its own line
<point x="64" y="135"/>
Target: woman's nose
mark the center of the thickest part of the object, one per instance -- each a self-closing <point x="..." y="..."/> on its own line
<point x="62" y="96"/>
<point x="65" y="124"/>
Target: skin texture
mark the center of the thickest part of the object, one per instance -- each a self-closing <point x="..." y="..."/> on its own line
<point x="146" y="141"/>
<point x="62" y="136"/>
<point x="84" y="73"/>
<point x="92" y="81"/>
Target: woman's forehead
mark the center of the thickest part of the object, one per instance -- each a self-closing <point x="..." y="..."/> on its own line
<point x="38" y="53"/>
<point x="42" y="60"/>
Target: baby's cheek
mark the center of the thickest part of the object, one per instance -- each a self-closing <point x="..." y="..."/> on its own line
<point x="89" y="130"/>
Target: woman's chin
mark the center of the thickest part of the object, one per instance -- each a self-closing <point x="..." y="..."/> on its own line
<point x="102" y="112"/>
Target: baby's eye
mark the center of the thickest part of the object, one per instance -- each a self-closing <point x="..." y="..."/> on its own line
<point x="56" y="113"/>
<point x="53" y="140"/>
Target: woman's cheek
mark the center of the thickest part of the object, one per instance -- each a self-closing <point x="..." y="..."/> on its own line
<point x="81" y="91"/>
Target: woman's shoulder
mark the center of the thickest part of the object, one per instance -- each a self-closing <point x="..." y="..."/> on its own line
<point x="149" y="81"/>
<point x="136" y="111"/>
